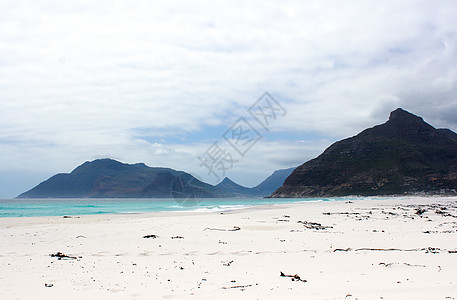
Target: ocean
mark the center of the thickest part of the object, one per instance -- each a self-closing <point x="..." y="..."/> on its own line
<point x="72" y="207"/>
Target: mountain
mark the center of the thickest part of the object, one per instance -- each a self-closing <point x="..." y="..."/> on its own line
<point x="405" y="155"/>
<point x="272" y="182"/>
<point x="234" y="189"/>
<point x="265" y="188"/>
<point x="107" y="178"/>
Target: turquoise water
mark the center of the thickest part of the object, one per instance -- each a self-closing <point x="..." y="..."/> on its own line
<point x="71" y="207"/>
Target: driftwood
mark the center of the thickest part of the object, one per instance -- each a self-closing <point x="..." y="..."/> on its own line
<point x="427" y="250"/>
<point x="150" y="236"/>
<point x="346" y="250"/>
<point x="235" y="228"/>
<point x="386" y="249"/>
<point x="60" y="255"/>
<point x="388" y="265"/>
<point x="340" y="213"/>
<point x="294" y="277"/>
<point x="242" y="287"/>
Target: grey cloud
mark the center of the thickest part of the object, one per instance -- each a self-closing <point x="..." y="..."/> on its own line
<point x="82" y="75"/>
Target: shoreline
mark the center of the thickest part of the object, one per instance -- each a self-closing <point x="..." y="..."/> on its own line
<point x="133" y="206"/>
<point x="366" y="249"/>
<point x="207" y="207"/>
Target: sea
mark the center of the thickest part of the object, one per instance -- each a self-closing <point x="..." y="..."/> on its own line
<point x="85" y="206"/>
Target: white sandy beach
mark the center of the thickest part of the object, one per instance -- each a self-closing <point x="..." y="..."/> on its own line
<point x="374" y="249"/>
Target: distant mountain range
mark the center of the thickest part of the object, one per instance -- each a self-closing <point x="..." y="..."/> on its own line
<point x="265" y="188"/>
<point x="405" y="155"/>
<point x="108" y="178"/>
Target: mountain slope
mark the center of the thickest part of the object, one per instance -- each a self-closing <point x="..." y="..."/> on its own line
<point x="234" y="189"/>
<point x="107" y="178"/>
<point x="272" y="182"/>
<point x="104" y="178"/>
<point x="263" y="189"/>
<point x="403" y="155"/>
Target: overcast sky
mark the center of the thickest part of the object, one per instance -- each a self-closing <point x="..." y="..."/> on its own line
<point x="160" y="81"/>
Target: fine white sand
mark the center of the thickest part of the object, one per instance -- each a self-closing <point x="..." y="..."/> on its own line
<point x="375" y="249"/>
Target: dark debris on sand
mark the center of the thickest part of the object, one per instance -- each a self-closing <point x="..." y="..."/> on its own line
<point x="293" y="277"/>
<point x="60" y="256"/>
<point x="150" y="236"/>
<point x="314" y="225"/>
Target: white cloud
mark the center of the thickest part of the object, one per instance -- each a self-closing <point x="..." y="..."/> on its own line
<point x="77" y="77"/>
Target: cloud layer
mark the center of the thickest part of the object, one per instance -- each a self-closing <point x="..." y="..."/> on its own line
<point x="81" y="80"/>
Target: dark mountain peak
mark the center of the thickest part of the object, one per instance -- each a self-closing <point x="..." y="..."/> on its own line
<point x="403" y="125"/>
<point x="101" y="162"/>
<point x="405" y="121"/>
<point x="403" y="155"/>
<point x="105" y="161"/>
<point x="227" y="180"/>
<point x="100" y="165"/>
<point x="401" y="115"/>
<point x="107" y="165"/>
<point x="234" y="188"/>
